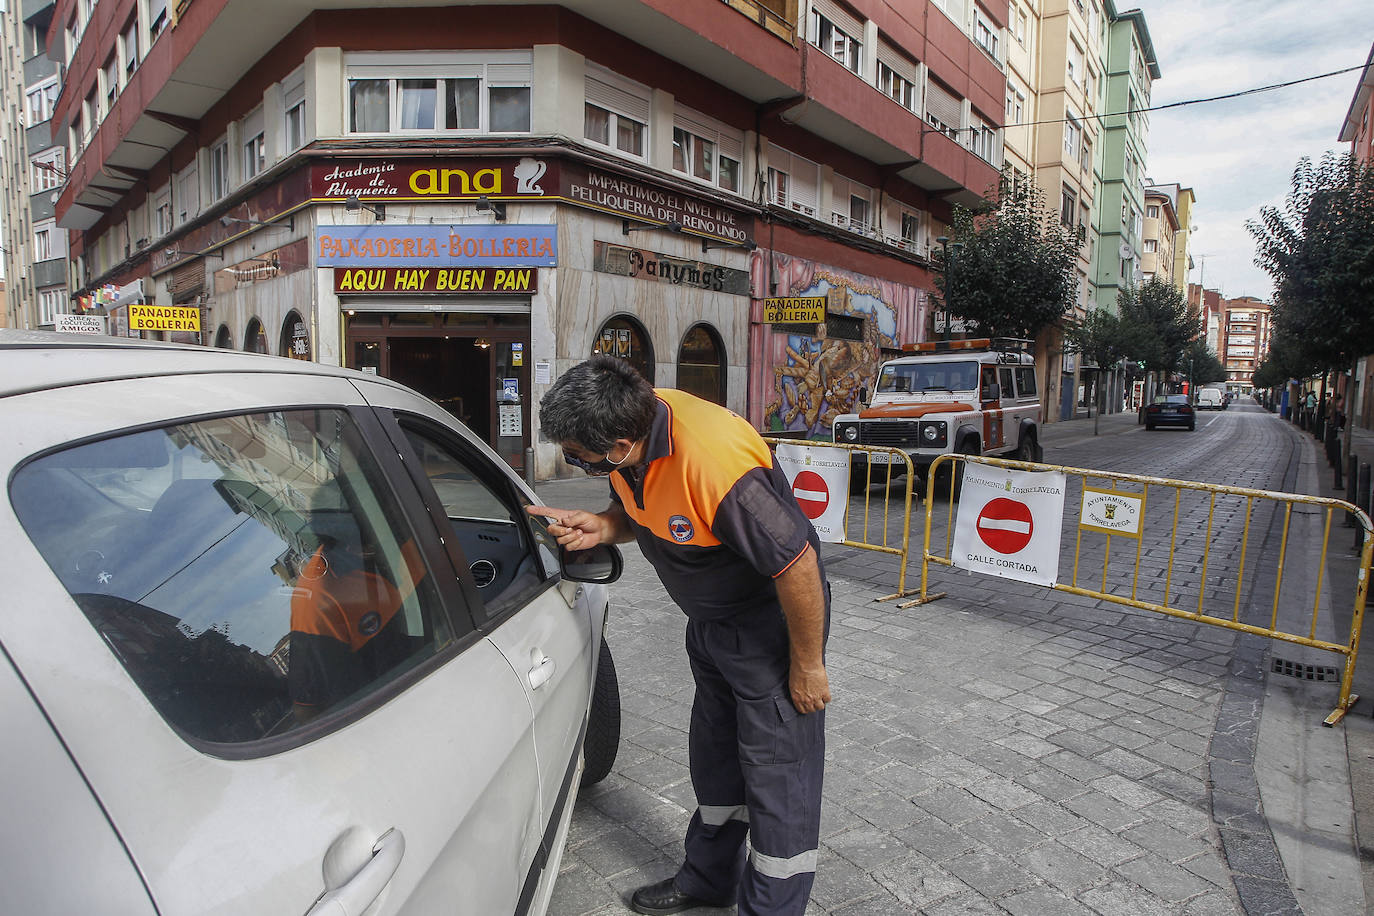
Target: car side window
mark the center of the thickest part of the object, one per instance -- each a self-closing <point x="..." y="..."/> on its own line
<point x="1025" y="381"/>
<point x="250" y="572"/>
<point x="508" y="553"/>
<point x="989" y="378"/>
<point x="1004" y="379"/>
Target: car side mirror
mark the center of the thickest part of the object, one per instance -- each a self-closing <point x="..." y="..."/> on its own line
<point x="602" y="563"/>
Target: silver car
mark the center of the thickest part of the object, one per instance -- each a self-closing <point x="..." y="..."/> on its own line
<point x="279" y="638"/>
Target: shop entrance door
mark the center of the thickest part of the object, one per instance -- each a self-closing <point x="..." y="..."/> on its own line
<point x="478" y="374"/>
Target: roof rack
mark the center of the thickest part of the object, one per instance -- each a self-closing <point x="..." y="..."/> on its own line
<point x="1001" y="344"/>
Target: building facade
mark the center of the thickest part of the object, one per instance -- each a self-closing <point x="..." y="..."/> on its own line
<point x="32" y="169"/>
<point x="1131" y="68"/>
<point x="1245" y="340"/>
<point x="738" y="198"/>
<point x="1157" y="234"/>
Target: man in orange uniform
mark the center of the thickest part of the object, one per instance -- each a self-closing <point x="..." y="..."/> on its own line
<point x="697" y="487"/>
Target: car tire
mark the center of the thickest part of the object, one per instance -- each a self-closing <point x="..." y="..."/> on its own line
<point x="957" y="487"/>
<point x="1192" y="426"/>
<point x="602" y="743"/>
<point x="1026" y="449"/>
<point x="880" y="476"/>
<point x="1149" y="427"/>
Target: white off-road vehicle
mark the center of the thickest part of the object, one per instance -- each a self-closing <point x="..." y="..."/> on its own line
<point x="971" y="397"/>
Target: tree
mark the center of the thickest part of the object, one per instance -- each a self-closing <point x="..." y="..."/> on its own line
<point x="1203" y="365"/>
<point x="1010" y="265"/>
<point x="1103" y="340"/>
<point x="1159" y="327"/>
<point x="1319" y="250"/>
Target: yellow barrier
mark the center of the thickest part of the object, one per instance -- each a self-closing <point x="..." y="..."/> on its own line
<point x="871" y="518"/>
<point x="1122" y="584"/>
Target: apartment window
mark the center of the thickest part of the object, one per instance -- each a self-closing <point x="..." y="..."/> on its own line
<point x="707" y="150"/>
<point x="985" y="34"/>
<point x="911" y="229"/>
<point x="944" y="110"/>
<point x="49" y="303"/>
<point x="1085" y="155"/>
<point x="186" y="195"/>
<point x="254" y="156"/>
<point x="616" y="113"/>
<point x="1152" y="211"/>
<point x="157" y="18"/>
<point x="1072" y="137"/>
<point x="293" y="118"/>
<point x="1016" y="105"/>
<point x="897" y="87"/>
<point x="834" y="40"/>
<point x="387" y="94"/>
<point x="219" y="170"/>
<point x="1151" y="246"/>
<point x="852" y="205"/>
<point x="793" y="181"/>
<point x="983" y="140"/>
<point x="858" y="211"/>
<point x="91" y="114"/>
<point x="128" y="47"/>
<point x="40" y="102"/>
<point x="46" y="172"/>
<point x="1021" y="28"/>
<point x="1068" y="205"/>
<point x="42" y="242"/>
<point x="1075" y="64"/>
<point x="162" y="213"/>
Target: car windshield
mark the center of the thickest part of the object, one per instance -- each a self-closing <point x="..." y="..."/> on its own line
<point x="917" y="377"/>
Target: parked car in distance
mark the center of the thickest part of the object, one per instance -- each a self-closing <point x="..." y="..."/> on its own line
<point x="1170" y="410"/>
<point x="279" y="638"/>
<point x="1211" y="399"/>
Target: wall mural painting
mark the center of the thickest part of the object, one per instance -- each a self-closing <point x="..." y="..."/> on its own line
<point x="802" y="381"/>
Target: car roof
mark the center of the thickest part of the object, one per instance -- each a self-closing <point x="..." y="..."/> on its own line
<point x="39" y="360"/>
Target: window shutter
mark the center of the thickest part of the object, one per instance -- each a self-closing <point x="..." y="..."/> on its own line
<point x="844" y="20"/>
<point x="943" y="104"/>
<point x="613" y="98"/>
<point x="510" y="74"/>
<point x="898" y="63"/>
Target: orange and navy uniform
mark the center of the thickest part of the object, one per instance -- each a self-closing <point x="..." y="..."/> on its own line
<point x="711" y="511"/>
<point x="344" y="629"/>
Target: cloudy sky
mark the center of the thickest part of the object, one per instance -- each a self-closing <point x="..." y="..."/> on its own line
<point x="1238" y="155"/>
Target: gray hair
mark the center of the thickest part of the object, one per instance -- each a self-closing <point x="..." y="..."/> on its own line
<point x="597" y="402"/>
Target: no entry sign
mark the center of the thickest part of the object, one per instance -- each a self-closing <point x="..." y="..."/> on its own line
<point x="1009" y="523"/>
<point x="820" y="478"/>
<point x="812" y="493"/>
<point x="1006" y="525"/>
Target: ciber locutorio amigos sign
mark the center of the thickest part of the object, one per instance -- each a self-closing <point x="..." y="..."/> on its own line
<point x="416" y="180"/>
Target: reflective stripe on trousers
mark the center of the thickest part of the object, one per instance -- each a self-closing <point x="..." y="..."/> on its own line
<point x="756" y="767"/>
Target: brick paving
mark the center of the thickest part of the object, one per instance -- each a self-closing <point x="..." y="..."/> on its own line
<point x="1006" y="749"/>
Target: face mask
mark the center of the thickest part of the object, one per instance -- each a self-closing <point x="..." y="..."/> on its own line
<point x="599" y="468"/>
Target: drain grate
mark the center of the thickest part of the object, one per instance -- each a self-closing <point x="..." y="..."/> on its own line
<point x="1305" y="672"/>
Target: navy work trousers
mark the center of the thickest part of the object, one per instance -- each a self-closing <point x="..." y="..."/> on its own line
<point x="756" y="767"/>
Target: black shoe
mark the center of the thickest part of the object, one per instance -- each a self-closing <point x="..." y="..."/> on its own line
<point x="664" y="898"/>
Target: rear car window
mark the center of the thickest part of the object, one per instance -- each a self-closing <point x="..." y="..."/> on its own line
<point x="250" y="572"/>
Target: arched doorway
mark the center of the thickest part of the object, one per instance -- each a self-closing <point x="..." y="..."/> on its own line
<point x="223" y="339"/>
<point x="295" y="337"/>
<point x="255" y="339"/>
<point x="701" y="364"/>
<point x="626" y="338"/>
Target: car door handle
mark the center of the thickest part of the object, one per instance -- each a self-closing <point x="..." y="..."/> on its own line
<point x="543" y="670"/>
<point x="355" y="896"/>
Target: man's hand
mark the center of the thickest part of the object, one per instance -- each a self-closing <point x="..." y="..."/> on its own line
<point x="576" y="529"/>
<point x="810" y="688"/>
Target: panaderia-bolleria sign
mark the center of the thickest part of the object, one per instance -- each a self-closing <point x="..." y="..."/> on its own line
<point x="163" y="318"/>
<point x="419" y="245"/>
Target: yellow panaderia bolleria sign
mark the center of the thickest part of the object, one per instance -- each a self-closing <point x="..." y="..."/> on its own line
<point x="794" y="310"/>
<point x="163" y="318"/>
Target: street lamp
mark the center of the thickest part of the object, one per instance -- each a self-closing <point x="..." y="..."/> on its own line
<point x="945" y="253"/>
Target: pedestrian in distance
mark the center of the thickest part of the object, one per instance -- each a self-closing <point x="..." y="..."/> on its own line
<point x="698" y="489"/>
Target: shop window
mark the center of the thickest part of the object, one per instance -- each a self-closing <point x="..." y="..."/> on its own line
<point x="626" y="338"/>
<point x="223" y="339"/>
<point x="295" y="337"/>
<point x="701" y="364"/>
<point x="255" y="339"/>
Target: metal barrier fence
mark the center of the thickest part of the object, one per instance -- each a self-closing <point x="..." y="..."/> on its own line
<point x="870" y="527"/>
<point x="1209" y="565"/>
